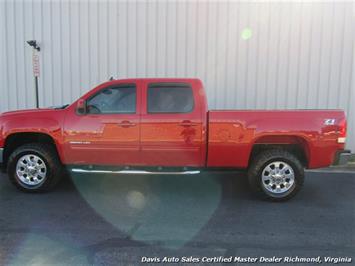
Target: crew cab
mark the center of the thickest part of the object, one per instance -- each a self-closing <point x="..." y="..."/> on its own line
<point x="163" y="126"/>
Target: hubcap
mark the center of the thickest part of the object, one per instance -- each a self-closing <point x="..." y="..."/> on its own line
<point x="31" y="170"/>
<point x="278" y="177"/>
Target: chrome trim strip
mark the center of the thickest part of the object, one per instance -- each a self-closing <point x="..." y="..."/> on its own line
<point x="1" y="155"/>
<point x="79" y="142"/>
<point x="139" y="172"/>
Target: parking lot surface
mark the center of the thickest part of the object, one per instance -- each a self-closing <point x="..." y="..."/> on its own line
<point x="122" y="220"/>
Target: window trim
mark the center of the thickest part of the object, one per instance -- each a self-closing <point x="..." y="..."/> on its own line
<point x="171" y="84"/>
<point x="112" y="87"/>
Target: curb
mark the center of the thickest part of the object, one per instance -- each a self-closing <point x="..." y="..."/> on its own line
<point x="350" y="168"/>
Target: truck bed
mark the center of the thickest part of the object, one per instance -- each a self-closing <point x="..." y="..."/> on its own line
<point x="232" y="134"/>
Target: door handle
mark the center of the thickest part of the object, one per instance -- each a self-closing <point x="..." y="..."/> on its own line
<point x="126" y="124"/>
<point x="188" y="123"/>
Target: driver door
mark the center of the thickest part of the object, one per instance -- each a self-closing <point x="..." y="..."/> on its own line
<point x="109" y="133"/>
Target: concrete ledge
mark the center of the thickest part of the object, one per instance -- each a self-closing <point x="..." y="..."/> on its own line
<point x="347" y="168"/>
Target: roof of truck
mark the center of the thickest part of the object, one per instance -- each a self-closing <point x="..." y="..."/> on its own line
<point x="157" y="79"/>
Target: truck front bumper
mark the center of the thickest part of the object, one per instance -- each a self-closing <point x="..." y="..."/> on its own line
<point x="342" y="157"/>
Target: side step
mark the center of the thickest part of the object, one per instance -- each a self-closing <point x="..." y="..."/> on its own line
<point x="137" y="172"/>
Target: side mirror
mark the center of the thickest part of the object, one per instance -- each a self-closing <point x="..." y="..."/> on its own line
<point x="81" y="107"/>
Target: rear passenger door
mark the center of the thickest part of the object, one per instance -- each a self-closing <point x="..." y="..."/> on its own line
<point x="171" y="128"/>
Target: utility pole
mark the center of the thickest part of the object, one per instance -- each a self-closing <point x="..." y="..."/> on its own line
<point x="35" y="66"/>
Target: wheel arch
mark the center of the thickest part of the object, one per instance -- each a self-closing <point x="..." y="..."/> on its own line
<point x="294" y="144"/>
<point x="15" y="140"/>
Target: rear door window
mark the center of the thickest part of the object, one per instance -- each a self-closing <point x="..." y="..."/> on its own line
<point x="170" y="98"/>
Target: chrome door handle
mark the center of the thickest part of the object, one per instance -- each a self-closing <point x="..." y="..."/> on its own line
<point x="187" y="123"/>
<point x="126" y="124"/>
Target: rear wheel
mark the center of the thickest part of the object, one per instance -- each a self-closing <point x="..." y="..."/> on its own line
<point x="276" y="175"/>
<point x="34" y="167"/>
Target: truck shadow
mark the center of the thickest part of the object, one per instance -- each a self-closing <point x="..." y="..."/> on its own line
<point x="160" y="212"/>
<point x="169" y="209"/>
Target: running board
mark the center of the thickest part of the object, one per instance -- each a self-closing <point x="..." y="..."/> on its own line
<point x="137" y="172"/>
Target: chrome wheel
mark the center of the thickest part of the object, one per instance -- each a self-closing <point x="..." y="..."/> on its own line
<point x="278" y="177"/>
<point x="31" y="170"/>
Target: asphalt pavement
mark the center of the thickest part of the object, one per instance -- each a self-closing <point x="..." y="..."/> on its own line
<point x="122" y="220"/>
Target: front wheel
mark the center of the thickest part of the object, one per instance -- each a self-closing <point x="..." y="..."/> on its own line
<point x="276" y="175"/>
<point x="34" y="167"/>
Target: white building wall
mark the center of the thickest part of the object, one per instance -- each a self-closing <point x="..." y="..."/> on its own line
<point x="300" y="55"/>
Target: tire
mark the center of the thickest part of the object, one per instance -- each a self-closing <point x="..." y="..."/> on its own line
<point x="34" y="167"/>
<point x="276" y="175"/>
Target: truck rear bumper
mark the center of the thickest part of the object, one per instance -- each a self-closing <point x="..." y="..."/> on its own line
<point x="2" y="167"/>
<point x="342" y="157"/>
<point x="1" y="155"/>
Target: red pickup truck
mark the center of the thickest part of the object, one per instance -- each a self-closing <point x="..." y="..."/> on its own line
<point x="150" y="126"/>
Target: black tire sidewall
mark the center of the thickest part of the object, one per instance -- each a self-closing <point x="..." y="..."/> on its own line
<point x="14" y="158"/>
<point x="258" y="165"/>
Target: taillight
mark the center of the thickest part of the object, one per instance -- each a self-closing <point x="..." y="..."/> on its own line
<point x="342" y="131"/>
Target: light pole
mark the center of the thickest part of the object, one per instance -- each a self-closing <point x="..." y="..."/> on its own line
<point x="35" y="65"/>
